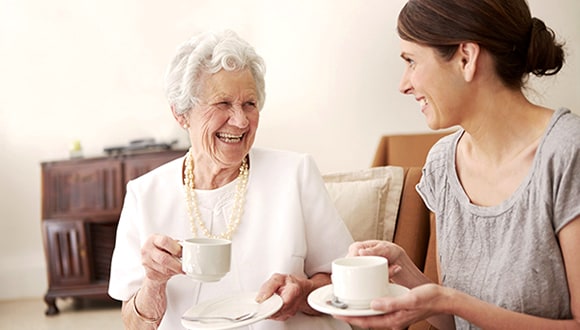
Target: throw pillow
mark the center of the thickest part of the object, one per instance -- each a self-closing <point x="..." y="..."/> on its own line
<point x="367" y="200"/>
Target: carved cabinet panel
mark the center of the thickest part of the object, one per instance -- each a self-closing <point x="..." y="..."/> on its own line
<point x="92" y="188"/>
<point x="81" y="204"/>
<point x="66" y="243"/>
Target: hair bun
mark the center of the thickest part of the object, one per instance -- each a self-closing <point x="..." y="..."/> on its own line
<point x="545" y="53"/>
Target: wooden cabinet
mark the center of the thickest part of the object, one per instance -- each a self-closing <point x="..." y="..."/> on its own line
<point x="81" y="204"/>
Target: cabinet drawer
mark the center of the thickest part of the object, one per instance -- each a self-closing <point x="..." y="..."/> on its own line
<point x="96" y="188"/>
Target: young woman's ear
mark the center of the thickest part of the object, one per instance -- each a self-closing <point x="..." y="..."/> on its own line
<point x="468" y="53"/>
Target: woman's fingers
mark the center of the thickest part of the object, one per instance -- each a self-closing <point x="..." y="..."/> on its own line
<point x="160" y="257"/>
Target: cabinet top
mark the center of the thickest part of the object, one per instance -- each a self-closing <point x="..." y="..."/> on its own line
<point x="120" y="157"/>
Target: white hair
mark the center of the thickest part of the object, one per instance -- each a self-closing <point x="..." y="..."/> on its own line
<point x="210" y="52"/>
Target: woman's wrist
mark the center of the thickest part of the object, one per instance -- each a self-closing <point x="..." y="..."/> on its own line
<point x="143" y="318"/>
<point x="310" y="284"/>
<point x="450" y="299"/>
<point x="406" y="273"/>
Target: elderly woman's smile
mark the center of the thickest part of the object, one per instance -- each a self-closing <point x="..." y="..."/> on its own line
<point x="229" y="138"/>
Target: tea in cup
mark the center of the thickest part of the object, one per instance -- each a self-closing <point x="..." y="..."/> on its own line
<point x="206" y="259"/>
<point x="356" y="281"/>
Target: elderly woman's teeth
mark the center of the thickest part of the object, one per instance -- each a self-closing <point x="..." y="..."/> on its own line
<point x="423" y="102"/>
<point x="229" y="137"/>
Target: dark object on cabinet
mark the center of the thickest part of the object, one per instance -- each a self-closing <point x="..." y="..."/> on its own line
<point x="81" y="205"/>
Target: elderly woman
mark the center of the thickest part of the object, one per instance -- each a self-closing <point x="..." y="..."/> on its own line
<point x="271" y="204"/>
<point x="504" y="188"/>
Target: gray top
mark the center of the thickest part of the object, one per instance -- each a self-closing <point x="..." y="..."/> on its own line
<point x="508" y="254"/>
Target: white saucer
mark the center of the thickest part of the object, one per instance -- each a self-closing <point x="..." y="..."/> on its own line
<point x="319" y="300"/>
<point x="232" y="306"/>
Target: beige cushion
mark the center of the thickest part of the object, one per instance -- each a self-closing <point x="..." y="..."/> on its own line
<point x="367" y="200"/>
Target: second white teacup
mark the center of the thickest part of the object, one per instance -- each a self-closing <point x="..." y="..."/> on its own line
<point x="356" y="281"/>
<point x="206" y="259"/>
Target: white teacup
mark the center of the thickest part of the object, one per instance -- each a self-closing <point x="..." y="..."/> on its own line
<point x="356" y="281"/>
<point x="206" y="259"/>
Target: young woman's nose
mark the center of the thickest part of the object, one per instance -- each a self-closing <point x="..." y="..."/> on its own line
<point x="405" y="86"/>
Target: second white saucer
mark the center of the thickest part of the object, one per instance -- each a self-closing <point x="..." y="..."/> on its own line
<point x="319" y="300"/>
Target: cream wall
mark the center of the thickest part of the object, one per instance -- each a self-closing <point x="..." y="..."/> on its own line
<point x="92" y="70"/>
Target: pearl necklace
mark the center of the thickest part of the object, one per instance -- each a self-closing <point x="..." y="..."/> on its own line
<point x="193" y="209"/>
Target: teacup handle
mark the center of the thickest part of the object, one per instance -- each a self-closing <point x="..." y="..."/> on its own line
<point x="181" y="242"/>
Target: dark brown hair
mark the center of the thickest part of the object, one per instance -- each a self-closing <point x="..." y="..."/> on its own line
<point x="518" y="43"/>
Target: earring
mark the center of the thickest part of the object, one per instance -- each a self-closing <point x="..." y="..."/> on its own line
<point x="185" y="126"/>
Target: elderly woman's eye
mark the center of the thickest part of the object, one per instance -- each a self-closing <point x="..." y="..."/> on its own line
<point x="223" y="105"/>
<point x="250" y="105"/>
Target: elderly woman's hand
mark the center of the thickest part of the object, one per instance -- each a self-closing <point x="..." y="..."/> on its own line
<point x="160" y="258"/>
<point x="294" y="292"/>
<point x="391" y="251"/>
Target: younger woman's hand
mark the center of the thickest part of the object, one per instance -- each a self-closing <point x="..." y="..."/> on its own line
<point x="418" y="304"/>
<point x="391" y="251"/>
